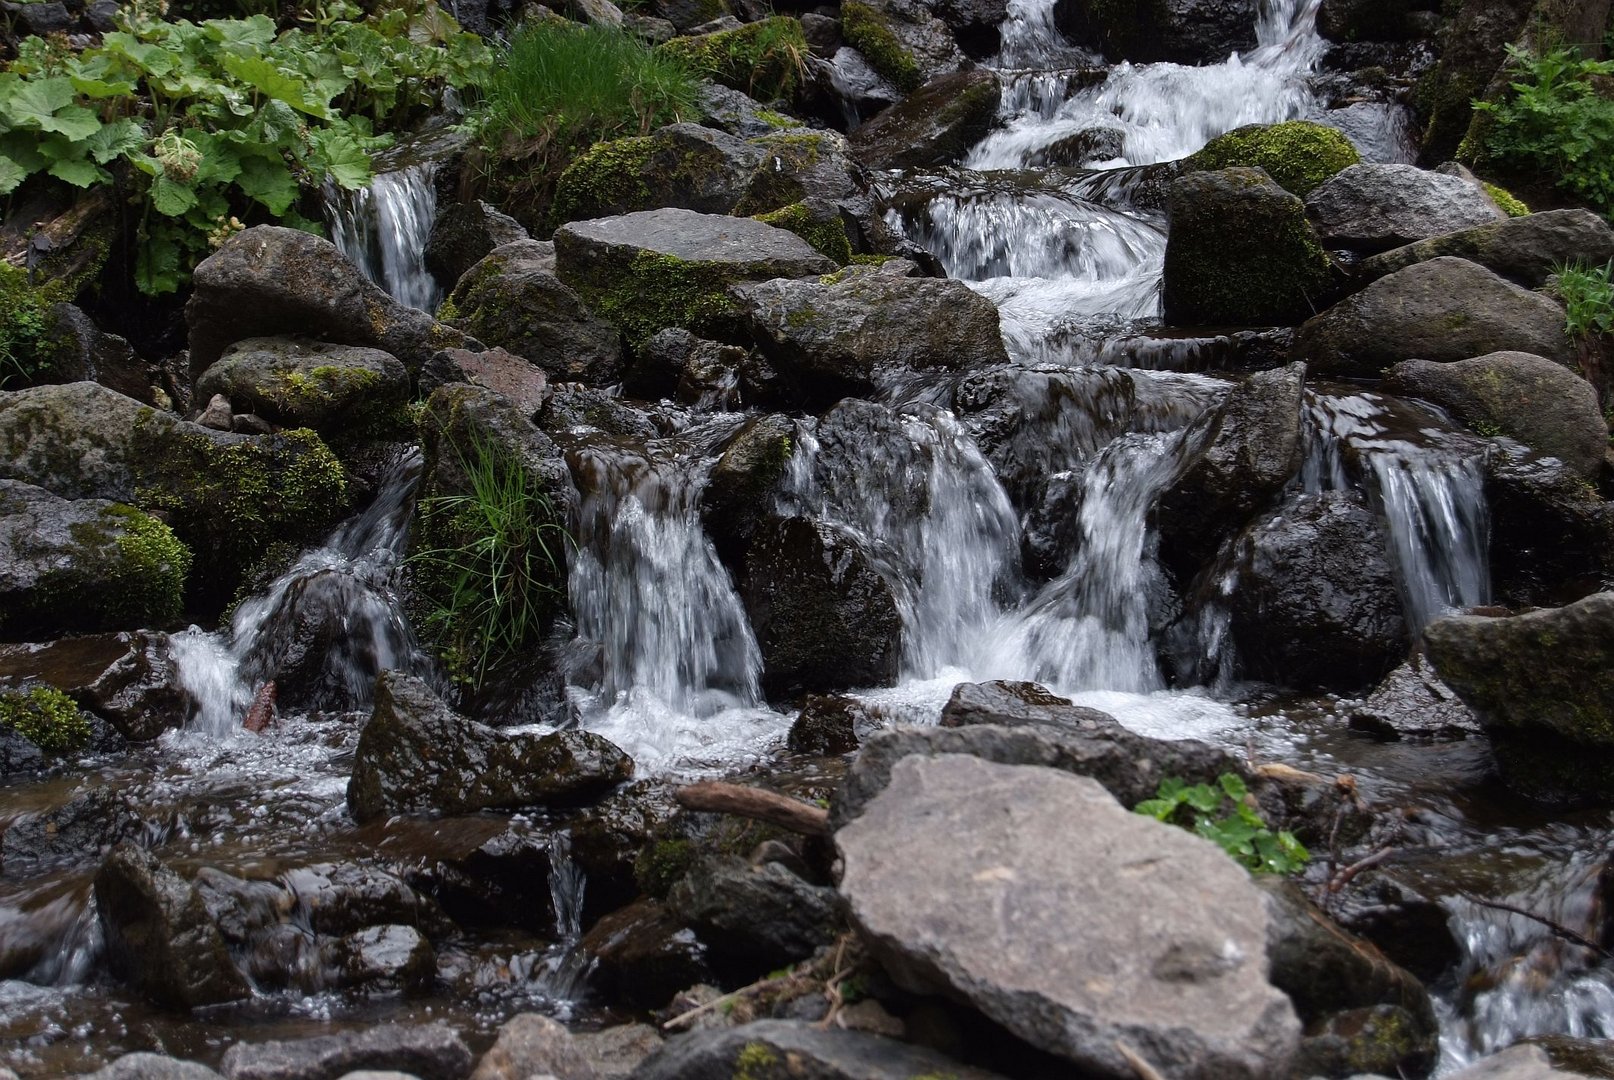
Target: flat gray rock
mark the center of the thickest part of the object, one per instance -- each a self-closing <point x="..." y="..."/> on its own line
<point x="1526" y="250"/>
<point x="1514" y="1063"/>
<point x="746" y="248"/>
<point x="771" y="1048"/>
<point x="1079" y="926"/>
<point x="144" y="1066"/>
<point x="1379" y="207"/>
<point x="428" y="1051"/>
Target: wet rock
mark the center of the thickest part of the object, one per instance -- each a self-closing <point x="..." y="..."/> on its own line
<point x="851" y="336"/>
<point x="269" y="280"/>
<point x="1298" y="154"/>
<point x="644" y="955"/>
<point x="1413" y="702"/>
<point x="1373" y="20"/>
<point x="342" y="898"/>
<point x="617" y="1051"/>
<point x="429" y="1051"/>
<point x="1076" y="151"/>
<point x="83" y="565"/>
<point x="1168" y="956"/>
<point x="744" y="484"/>
<point x="482" y="871"/>
<point x="770" y="1047"/>
<point x="299" y="383"/>
<point x="159" y="935"/>
<point x="827" y="725"/>
<point x="677" y="364"/>
<point x="1540" y="685"/>
<point x="1526" y="250"/>
<point x="1441" y="310"/>
<point x="935" y="125"/>
<point x="465" y="233"/>
<point x="903" y="40"/>
<point x="1238" y="458"/>
<point x="1410" y="929"/>
<point x="87" y="825"/>
<point x="611" y="837"/>
<point x="578" y="411"/>
<point x="1552" y="534"/>
<point x="1021" y="704"/>
<point x="1315" y="603"/>
<point x="142" y="1066"/>
<point x="81" y="352"/>
<point x="386" y="958"/>
<point x="139" y="693"/>
<point x="217" y="415"/>
<point x="1178" y="31"/>
<point x="1542" y="404"/>
<point x="824" y="617"/>
<point x="683" y="165"/>
<point x="733" y="111"/>
<point x="513" y="300"/>
<point x="530" y="1044"/>
<point x="1581" y="1056"/>
<point x="755" y="919"/>
<point x="1372" y="208"/>
<point x="416" y="755"/>
<point x="1523" y="1062"/>
<point x="524" y="385"/>
<point x="659" y="268"/>
<point x="1240" y="251"/>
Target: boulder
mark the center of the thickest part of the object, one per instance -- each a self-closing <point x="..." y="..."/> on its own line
<point x="530" y="1044"/>
<point x="1315" y="602"/>
<point x="824" y="617"/>
<point x="766" y="1048"/>
<point x="127" y="679"/>
<point x="1240" y="251"/>
<point x="89" y="824"/>
<point x="902" y="40"/>
<point x="762" y="57"/>
<point x="975" y="24"/>
<point x="335" y="389"/>
<point x="935" y="125"/>
<point x="384" y="959"/>
<point x="465" y="233"/>
<point x="268" y="280"/>
<point x="826" y="726"/>
<point x="1541" y="686"/>
<point x="83" y="565"/>
<point x="643" y="955"/>
<point x="1412" y="702"/>
<point x="1548" y="527"/>
<point x="428" y="1051"/>
<point x="1088" y="931"/>
<point x="683" y="165"/>
<point x="1177" y="31"/>
<point x="159" y="935"/>
<point x="1441" y="310"/>
<point x="143" y="1066"/>
<point x="513" y="300"/>
<point x="415" y="755"/>
<point x="525" y="386"/>
<point x="579" y="411"/>
<point x="1541" y="404"/>
<point x="744" y="484"/>
<point x="1525" y="250"/>
<point x="851" y="336"/>
<point x="81" y="352"/>
<point x="1372" y="208"/>
<point x="617" y="1051"/>
<point x="1298" y="154"/>
<point x="659" y="268"/>
<point x="677" y="364"/>
<point x="755" y="919"/>
<point x="1078" y="150"/>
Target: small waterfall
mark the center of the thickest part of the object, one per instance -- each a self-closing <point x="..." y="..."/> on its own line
<point x="383" y="228"/>
<point x="565" y="971"/>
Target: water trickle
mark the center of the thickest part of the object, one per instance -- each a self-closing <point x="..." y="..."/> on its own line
<point x="384" y="227"/>
<point x="562" y="979"/>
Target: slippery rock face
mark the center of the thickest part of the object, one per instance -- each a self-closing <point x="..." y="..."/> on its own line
<point x="1442" y="310"/>
<point x="770" y="1048"/>
<point x="1526" y="250"/>
<point x="1378" y="207"/>
<point x="299" y="383"/>
<point x="1543" y="405"/>
<point x="935" y="125"/>
<point x="1178" y="31"/>
<point x="1079" y="926"/>
<point x="415" y="755"/>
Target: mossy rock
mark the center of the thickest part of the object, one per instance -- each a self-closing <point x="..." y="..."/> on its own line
<point x="607" y="178"/>
<point x="763" y="59"/>
<point x="823" y="230"/>
<point x="684" y="165"/>
<point x="868" y="30"/>
<point x="1510" y="204"/>
<point x="45" y="717"/>
<point x="1298" y="154"/>
<point x="312" y="384"/>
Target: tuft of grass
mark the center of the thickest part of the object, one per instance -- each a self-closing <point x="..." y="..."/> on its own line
<point x="766" y="59"/>
<point x="1588" y="296"/>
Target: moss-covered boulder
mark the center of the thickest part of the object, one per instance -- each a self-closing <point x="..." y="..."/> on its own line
<point x="744" y="483"/>
<point x="903" y="40"/>
<point x="1240" y="252"/>
<point x="763" y="59"/>
<point x="1527" y="250"/>
<point x="293" y="382"/>
<point x="1542" y="684"/>
<point x="1298" y="154"/>
<point x="1179" y="31"/>
<point x="820" y="225"/>
<point x="513" y="300"/>
<point x="45" y="717"/>
<point x="686" y="165"/>
<point x="936" y="125"/>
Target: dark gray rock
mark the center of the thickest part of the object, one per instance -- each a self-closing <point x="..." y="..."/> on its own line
<point x="923" y="38"/>
<point x="523" y="384"/>
<point x="144" y="1066"/>
<point x="1025" y="704"/>
<point x="683" y="165"/>
<point x="139" y="692"/>
<point x="416" y="755"/>
<point x="1548" y="527"/>
<point x="1373" y="20"/>
<point x="1076" y="151"/>
<point x="744" y="485"/>
<point x="1179" y="31"/>
<point x="769" y="1047"/>
<point x="935" y="125"/>
<point x="530" y="1044"/>
<point x="1372" y="208"/>
<point x="465" y="233"/>
<point x="87" y="825"/>
<point x="300" y="383"/>
<point x="1441" y="310"/>
<point x="827" y="725"/>
<point x="1542" y="404"/>
<point x="755" y="919"/>
<point x="1526" y="250"/>
<point x="383" y="958"/>
<point x="577" y="411"/>
<point x="644" y="955"/>
<point x="661" y="368"/>
<point x="1413" y="702"/>
<point x="617" y="1051"/>
<point x="1168" y="956"/>
<point x="82" y="352"/>
<point x="429" y="1051"/>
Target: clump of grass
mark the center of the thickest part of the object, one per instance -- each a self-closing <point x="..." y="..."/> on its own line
<point x="1588" y="296"/>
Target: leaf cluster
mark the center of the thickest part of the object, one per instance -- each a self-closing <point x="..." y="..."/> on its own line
<point x="1226" y="815"/>
<point x="1588" y="296"/>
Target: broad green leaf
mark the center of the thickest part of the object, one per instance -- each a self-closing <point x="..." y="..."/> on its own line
<point x="79" y="172"/>
<point x="254" y="32"/>
<point x="1203" y="797"/>
<point x="270" y="81"/>
<point x="102" y="88"/>
<point x="276" y="122"/>
<point x="34" y="104"/>
<point x="157" y="267"/>
<point x="150" y="59"/>
<point x="268" y="182"/>
<point x="1233" y="784"/>
<point x="345" y="161"/>
<point x="170" y="198"/>
<point x="115" y="140"/>
<point x="22" y="147"/>
<point x="11" y="174"/>
<point x="75" y="121"/>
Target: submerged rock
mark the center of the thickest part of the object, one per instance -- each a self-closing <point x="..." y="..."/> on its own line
<point x="644" y="955"/>
<point x="428" y="1051"/>
<point x="935" y="125"/>
<point x="337" y="389"/>
<point x="768" y="1048"/>
<point x="1374" y="208"/>
<point x="1526" y="250"/>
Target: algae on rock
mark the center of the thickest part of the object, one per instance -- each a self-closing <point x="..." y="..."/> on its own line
<point x="1298" y="154"/>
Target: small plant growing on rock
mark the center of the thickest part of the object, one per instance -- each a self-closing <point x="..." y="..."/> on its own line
<point x="45" y="717"/>
<point x="1588" y="296"/>
<point x="1237" y="829"/>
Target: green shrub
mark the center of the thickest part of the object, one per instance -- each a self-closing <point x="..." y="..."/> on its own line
<point x="45" y="717"/>
<point x="765" y="59"/>
<point x="24" y="325"/>
<point x="1558" y="123"/>
<point x="1240" y="831"/>
<point x="1588" y="296"/>
<point x="1298" y="154"/>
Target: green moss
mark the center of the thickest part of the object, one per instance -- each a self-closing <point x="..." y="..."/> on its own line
<point x="659" y="291"/>
<point x="778" y="120"/>
<point x="756" y="1062"/>
<point x="1510" y="203"/>
<point x="765" y="59"/>
<point x="867" y="31"/>
<point x="661" y="864"/>
<point x="872" y="260"/>
<point x="1298" y="154"/>
<point x="828" y="238"/>
<point x="607" y="178"/>
<point x="150" y="575"/>
<point x="45" y="717"/>
<point x="325" y="385"/>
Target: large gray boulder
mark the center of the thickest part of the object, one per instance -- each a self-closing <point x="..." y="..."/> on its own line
<point x="1543" y="405"/>
<point x="1526" y="250"/>
<point x="427" y="1051"/>
<point x="1442" y="310"/>
<point x="530" y="1044"/>
<point x="682" y="165"/>
<point x="935" y="125"/>
<point x="415" y="755"/>
<point x="1375" y="208"/>
<point x="295" y="382"/>
<point x="1179" y="31"/>
<point x="1086" y="930"/>
<point x="791" y="1048"/>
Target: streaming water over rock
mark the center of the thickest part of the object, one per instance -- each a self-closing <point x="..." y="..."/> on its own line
<point x="383" y="228"/>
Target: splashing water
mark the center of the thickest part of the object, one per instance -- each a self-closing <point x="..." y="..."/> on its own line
<point x="384" y="227"/>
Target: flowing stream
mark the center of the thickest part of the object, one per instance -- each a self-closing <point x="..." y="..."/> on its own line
<point x="383" y="228"/>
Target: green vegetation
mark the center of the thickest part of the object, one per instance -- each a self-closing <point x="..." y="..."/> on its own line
<point x="606" y="178"/>
<point x="490" y="564"/>
<point x="828" y="238"/>
<point x="765" y="59"/>
<point x="45" y="717"/>
<point x="659" y="866"/>
<point x="657" y="291"/>
<point x="149" y="574"/>
<point x="1239" y="831"/>
<point x="755" y="1062"/>
<point x="1298" y="154"/>
<point x="224" y="122"/>
<point x="1558" y="123"/>
<point x="866" y="30"/>
<point x="1588" y="296"/>
<point x="1510" y="204"/>
<point x="24" y="325"/>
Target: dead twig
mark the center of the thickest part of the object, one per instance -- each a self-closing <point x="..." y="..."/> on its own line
<point x="1557" y="929"/>
<point x="1144" y="1070"/>
<point x="1344" y="877"/>
<point x="714" y="796"/>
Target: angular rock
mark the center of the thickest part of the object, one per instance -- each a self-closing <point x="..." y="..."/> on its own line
<point x="823" y="616"/>
<point x="1542" y="404"/>
<point x="935" y="125"/>
<point x="429" y="1051"/>
<point x="416" y="755"/>
<point x="755" y="919"/>
<point x="1373" y="20"/>
<point x="1441" y="310"/>
<point x="1413" y="702"/>
<point x="513" y="300"/>
<point x="1548" y="527"/>
<point x="142" y="1066"/>
<point x="1178" y="31"/>
<point x="530" y="1044"/>
<point x="1372" y="208"/>
<point x="87" y="825"/>
<point x="578" y="412"/>
<point x="644" y="955"/>
<point x="463" y="234"/>
<point x="1240" y="251"/>
<point x="677" y="364"/>
<point x="617" y="1051"/>
<point x="827" y="725"/>
<point x="682" y="165"/>
<point x="903" y="40"/>
<point x="159" y="935"/>
<point x="794" y="1048"/>
<point x="300" y="383"/>
<point x="268" y="280"/>
<point x="381" y="958"/>
<point x="744" y="483"/>
<point x="1526" y="250"/>
<point x="82" y="352"/>
<point x="512" y="377"/>
<point x="1168" y="954"/>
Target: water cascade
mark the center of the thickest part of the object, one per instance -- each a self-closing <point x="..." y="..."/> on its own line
<point x="384" y="227"/>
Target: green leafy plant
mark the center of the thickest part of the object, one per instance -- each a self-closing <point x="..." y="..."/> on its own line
<point x="1556" y="122"/>
<point x="1226" y="815"/>
<point x="1588" y="296"/>
<point x="45" y="717"/>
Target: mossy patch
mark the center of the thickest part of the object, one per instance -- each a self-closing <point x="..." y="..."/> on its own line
<point x="755" y="1062"/>
<point x="1510" y="204"/>
<point x="607" y="178"/>
<point x="868" y="31"/>
<point x="45" y="717"/>
<point x="1298" y="154"/>
<point x="828" y="238"/>
<point x="765" y="59"/>
<point x="659" y="291"/>
<point x="148" y="577"/>
<point x="659" y="865"/>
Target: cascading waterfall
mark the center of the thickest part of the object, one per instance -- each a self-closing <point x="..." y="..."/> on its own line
<point x="384" y="227"/>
